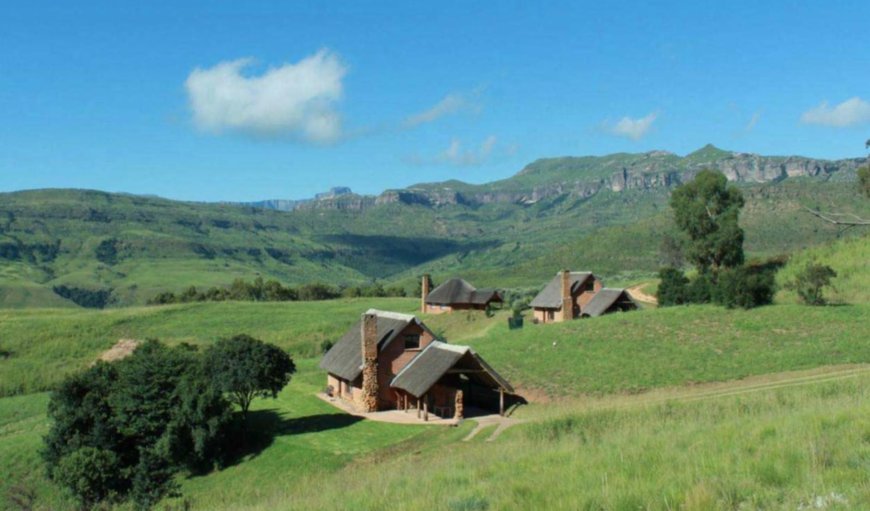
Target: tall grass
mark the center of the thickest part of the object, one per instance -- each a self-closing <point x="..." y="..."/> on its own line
<point x="47" y="344"/>
<point x="783" y="449"/>
<point x="849" y="257"/>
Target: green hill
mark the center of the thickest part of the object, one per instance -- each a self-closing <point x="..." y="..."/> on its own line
<point x="607" y="214"/>
<point x="618" y="388"/>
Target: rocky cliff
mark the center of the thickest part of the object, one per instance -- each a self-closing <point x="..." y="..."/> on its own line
<point x="583" y="177"/>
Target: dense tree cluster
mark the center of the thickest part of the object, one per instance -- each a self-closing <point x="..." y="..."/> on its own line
<point x="89" y="298"/>
<point x="259" y="290"/>
<point x="706" y="212"/>
<point x="121" y="431"/>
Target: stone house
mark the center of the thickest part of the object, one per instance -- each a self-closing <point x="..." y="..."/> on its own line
<point x="393" y="361"/>
<point x="455" y="294"/>
<point x="565" y="296"/>
<point x="584" y="295"/>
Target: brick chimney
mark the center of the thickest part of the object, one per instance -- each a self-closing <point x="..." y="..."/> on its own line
<point x="369" y="336"/>
<point x="567" y="302"/>
<point x="424" y="286"/>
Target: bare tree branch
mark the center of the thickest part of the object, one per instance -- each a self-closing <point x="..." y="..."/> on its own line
<point x="838" y="218"/>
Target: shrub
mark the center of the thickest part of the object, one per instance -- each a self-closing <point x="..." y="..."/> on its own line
<point x="744" y="287"/>
<point x="700" y="289"/>
<point x="90" y="474"/>
<point x="810" y="282"/>
<point x="673" y="288"/>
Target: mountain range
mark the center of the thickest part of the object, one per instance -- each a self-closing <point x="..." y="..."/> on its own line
<point x="608" y="214"/>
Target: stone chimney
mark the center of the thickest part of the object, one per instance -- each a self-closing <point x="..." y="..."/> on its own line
<point x="567" y="302"/>
<point x="424" y="286"/>
<point x="369" y="336"/>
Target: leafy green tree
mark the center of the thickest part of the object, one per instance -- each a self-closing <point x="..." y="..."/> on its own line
<point x="810" y="282"/>
<point x="146" y="417"/>
<point x="672" y="288"/>
<point x="81" y="415"/>
<point x="707" y="210"/>
<point x="245" y="368"/>
<point x="90" y="474"/>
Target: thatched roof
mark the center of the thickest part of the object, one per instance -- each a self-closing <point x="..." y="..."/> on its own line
<point x="344" y="359"/>
<point x="605" y="299"/>
<point x="551" y="296"/>
<point x="436" y="360"/>
<point x="459" y="291"/>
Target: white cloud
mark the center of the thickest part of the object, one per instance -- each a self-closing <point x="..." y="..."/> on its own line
<point x="851" y="112"/>
<point x="752" y="122"/>
<point x="457" y="154"/>
<point x="451" y="104"/>
<point x="291" y="101"/>
<point x="634" y="129"/>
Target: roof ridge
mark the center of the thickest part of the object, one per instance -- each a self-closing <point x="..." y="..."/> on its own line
<point x="392" y="315"/>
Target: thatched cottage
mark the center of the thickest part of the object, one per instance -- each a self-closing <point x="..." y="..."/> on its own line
<point x="581" y="294"/>
<point x="393" y="361"/>
<point x="456" y="294"/>
<point x="564" y="297"/>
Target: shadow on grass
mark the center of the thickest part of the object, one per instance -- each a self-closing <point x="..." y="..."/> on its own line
<point x="247" y="441"/>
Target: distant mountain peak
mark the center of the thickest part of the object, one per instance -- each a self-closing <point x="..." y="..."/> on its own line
<point x="708" y="152"/>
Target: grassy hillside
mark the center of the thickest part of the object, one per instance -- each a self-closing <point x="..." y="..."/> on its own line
<point x="849" y="257"/>
<point x="773" y="445"/>
<point x="47" y="344"/>
<point x="137" y="246"/>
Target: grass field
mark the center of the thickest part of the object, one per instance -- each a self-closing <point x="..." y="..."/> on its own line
<point x="623" y="420"/>
<point x="849" y="257"/>
<point x="47" y="344"/>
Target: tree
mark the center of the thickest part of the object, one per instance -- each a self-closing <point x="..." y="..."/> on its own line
<point x="707" y="210"/>
<point x="672" y="288"/>
<point x="245" y="368"/>
<point x="124" y="429"/>
<point x="90" y="474"/>
<point x="810" y="282"/>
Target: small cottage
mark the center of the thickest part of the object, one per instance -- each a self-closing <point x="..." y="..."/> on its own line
<point x="565" y="296"/>
<point x="456" y="294"/>
<point x="393" y="361"/>
<point x="609" y="300"/>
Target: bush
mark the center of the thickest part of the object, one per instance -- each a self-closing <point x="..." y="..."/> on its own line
<point x="90" y="474"/>
<point x="317" y="292"/>
<point x="673" y="287"/>
<point x="744" y="287"/>
<point x="810" y="282"/>
<point x="700" y="289"/>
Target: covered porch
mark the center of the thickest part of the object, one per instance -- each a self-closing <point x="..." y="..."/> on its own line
<point x="448" y="381"/>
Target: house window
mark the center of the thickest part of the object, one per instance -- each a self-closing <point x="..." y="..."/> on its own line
<point x="412" y="341"/>
<point x="590" y="285"/>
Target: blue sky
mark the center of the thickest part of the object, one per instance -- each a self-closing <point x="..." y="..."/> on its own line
<point x="253" y="100"/>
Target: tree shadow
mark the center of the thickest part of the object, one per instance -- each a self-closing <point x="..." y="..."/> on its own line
<point x="246" y="440"/>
